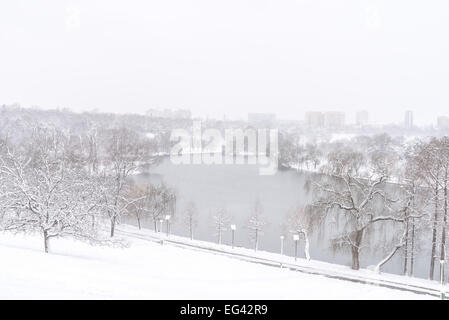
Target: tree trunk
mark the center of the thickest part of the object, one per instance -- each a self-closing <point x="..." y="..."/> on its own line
<point x="434" y="235"/>
<point x="412" y="250"/>
<point x="138" y="222"/>
<point x="387" y="258"/>
<point x="155" y="225"/>
<point x="443" y="231"/>
<point x="406" y="248"/>
<point x="191" y="230"/>
<point x="112" y="226"/>
<point x="46" y="242"/>
<point x="256" y="244"/>
<point x="355" y="249"/>
<point x="306" y="246"/>
<point x="355" y="258"/>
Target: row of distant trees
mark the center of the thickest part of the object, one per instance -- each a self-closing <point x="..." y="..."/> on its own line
<point x="296" y="220"/>
<point x="221" y="219"/>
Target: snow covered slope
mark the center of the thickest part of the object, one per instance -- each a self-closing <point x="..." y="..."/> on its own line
<point x="147" y="270"/>
<point x="335" y="271"/>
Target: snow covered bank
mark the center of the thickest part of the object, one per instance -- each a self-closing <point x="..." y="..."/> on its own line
<point x="148" y="270"/>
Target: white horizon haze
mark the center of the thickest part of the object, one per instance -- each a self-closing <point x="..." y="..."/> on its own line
<point x="228" y="57"/>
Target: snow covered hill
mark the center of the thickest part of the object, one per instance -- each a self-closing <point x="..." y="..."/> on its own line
<point x="147" y="270"/>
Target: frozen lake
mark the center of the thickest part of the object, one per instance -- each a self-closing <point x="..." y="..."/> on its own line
<point x="237" y="187"/>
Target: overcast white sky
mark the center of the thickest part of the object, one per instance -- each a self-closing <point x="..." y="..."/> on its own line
<point x="229" y="56"/>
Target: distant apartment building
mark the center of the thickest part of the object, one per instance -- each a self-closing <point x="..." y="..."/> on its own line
<point x="334" y="119"/>
<point x="314" y="119"/>
<point x="169" y="114"/>
<point x="182" y="114"/>
<point x="362" y="118"/>
<point x="408" y="119"/>
<point x="443" y="122"/>
<point x="266" y="120"/>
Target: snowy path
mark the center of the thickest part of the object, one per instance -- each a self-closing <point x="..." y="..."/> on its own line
<point x="364" y="276"/>
<point x="147" y="270"/>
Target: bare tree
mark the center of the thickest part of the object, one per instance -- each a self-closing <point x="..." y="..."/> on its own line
<point x="125" y="151"/>
<point x="412" y="205"/>
<point x="443" y="152"/>
<point x="291" y="151"/>
<point x="313" y="155"/>
<point x="349" y="190"/>
<point x="162" y="201"/>
<point x="221" y="221"/>
<point x="420" y="200"/>
<point x="298" y="222"/>
<point x="92" y="156"/>
<point x="138" y="199"/>
<point x="46" y="192"/>
<point x="190" y="218"/>
<point x="148" y="201"/>
<point x="256" y="223"/>
<point x="427" y="156"/>
<point x="408" y="212"/>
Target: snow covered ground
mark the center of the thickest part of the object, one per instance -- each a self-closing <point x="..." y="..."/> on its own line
<point x="147" y="270"/>
<point x="313" y="266"/>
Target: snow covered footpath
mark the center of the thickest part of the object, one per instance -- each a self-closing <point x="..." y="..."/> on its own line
<point x="337" y="271"/>
<point x="147" y="270"/>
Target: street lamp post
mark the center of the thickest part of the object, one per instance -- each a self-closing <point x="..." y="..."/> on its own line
<point x="233" y="227"/>
<point x="443" y="295"/>
<point x="296" y="239"/>
<point x="160" y="231"/>
<point x="160" y="225"/>
<point x="167" y="219"/>
<point x="282" y="244"/>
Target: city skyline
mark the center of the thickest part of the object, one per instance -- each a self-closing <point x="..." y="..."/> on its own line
<point x="251" y="57"/>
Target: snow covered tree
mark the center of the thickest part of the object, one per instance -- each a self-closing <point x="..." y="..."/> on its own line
<point x="291" y="151"/>
<point x="298" y="222"/>
<point x="431" y="157"/>
<point x="138" y="199"/>
<point x="125" y="152"/>
<point x="47" y="193"/>
<point x="91" y="136"/>
<point x="313" y="155"/>
<point x="221" y="221"/>
<point x="351" y="191"/>
<point x="405" y="215"/>
<point x="444" y="184"/>
<point x="162" y="202"/>
<point x="256" y="223"/>
<point x="416" y="224"/>
<point x="148" y="201"/>
<point x="412" y="205"/>
<point x="190" y="218"/>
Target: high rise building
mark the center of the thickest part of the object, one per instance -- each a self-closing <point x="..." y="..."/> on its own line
<point x="408" y="120"/>
<point x="334" y="119"/>
<point x="443" y="122"/>
<point x="314" y="119"/>
<point x="362" y="118"/>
